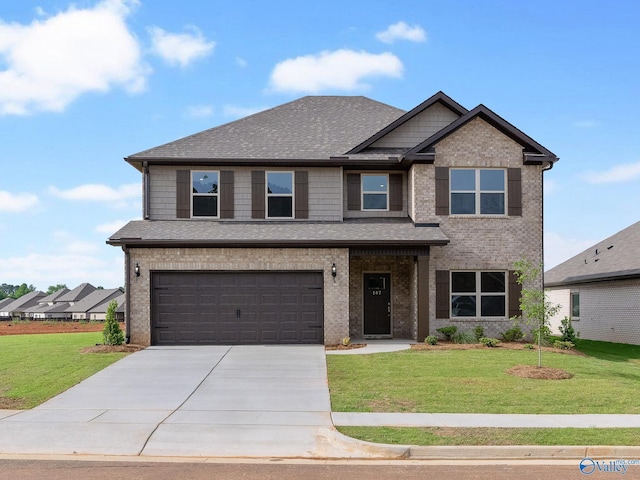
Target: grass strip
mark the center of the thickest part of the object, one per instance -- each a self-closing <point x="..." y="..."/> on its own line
<point x="439" y="436"/>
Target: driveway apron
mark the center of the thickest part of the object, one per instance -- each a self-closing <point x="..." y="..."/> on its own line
<point x="247" y="401"/>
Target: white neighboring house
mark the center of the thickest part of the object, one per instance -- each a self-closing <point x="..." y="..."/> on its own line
<point x="599" y="289"/>
<point x="80" y="310"/>
<point x="99" y="313"/>
<point x="16" y="309"/>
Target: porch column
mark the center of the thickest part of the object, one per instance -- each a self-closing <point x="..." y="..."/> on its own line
<point x="423" y="297"/>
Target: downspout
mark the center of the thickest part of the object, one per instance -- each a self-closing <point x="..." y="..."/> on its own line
<point x="127" y="289"/>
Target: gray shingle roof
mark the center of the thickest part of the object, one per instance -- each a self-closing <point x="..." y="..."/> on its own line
<point x="54" y="296"/>
<point x="29" y="300"/>
<point x="400" y="232"/>
<point x="615" y="257"/>
<point x="313" y="127"/>
<point x="102" y="307"/>
<point x="77" y="293"/>
<point x="93" y="299"/>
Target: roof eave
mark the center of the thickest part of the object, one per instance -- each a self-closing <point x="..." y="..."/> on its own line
<point x="316" y="243"/>
<point x="597" y="277"/>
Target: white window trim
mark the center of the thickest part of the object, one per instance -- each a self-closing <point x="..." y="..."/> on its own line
<point x="477" y="193"/>
<point x="363" y="192"/>
<point x="191" y="172"/>
<point x="268" y="195"/>
<point x="478" y="294"/>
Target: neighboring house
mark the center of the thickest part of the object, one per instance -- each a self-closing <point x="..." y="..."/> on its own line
<point x="99" y="312"/>
<point x="331" y="217"/>
<point x="599" y="289"/>
<point x="5" y="302"/>
<point x="48" y="308"/>
<point x="77" y="294"/>
<point x="80" y="309"/>
<point x="17" y="308"/>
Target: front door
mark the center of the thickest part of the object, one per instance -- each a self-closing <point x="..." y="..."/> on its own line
<point x="377" y="304"/>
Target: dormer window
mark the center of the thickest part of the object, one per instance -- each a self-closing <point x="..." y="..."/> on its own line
<point x="279" y="194"/>
<point x="205" y="191"/>
<point x="375" y="192"/>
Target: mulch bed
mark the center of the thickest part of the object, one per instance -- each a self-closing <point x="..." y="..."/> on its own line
<point x="351" y="346"/>
<point x="539" y="373"/>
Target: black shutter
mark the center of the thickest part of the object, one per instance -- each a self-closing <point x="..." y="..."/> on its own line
<point x="514" y="181"/>
<point x="257" y="194"/>
<point x="442" y="190"/>
<point x="395" y="192"/>
<point x="183" y="194"/>
<point x="226" y="194"/>
<point x="302" y="194"/>
<point x="443" y="301"/>
<point x="353" y="191"/>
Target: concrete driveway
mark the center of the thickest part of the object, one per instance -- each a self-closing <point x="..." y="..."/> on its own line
<point x="221" y="401"/>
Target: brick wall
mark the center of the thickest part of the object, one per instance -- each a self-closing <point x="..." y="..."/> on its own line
<point x="336" y="291"/>
<point x="480" y="242"/>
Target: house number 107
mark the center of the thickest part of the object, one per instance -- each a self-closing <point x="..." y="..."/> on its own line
<point x="377" y="292"/>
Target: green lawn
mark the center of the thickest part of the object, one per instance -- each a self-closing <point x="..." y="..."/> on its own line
<point x="34" y="368"/>
<point x="475" y="381"/>
<point x="495" y="436"/>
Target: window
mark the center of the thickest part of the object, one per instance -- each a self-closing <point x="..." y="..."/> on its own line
<point x="478" y="294"/>
<point x="477" y="192"/>
<point x="279" y="194"/>
<point x="575" y="305"/>
<point x="375" y="189"/>
<point x="204" y="196"/>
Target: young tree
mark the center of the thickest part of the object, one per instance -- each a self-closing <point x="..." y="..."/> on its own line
<point x="112" y="333"/>
<point x="536" y="308"/>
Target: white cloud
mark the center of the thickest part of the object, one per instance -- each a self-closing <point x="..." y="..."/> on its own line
<point x="620" y="173"/>
<point x="199" y="111"/>
<point x="558" y="249"/>
<point x="51" y="62"/>
<point x="17" y="202"/>
<point x="111" y="227"/>
<point x="402" y="31"/>
<point x="338" y="70"/>
<point x="99" y="193"/>
<point x="180" y="48"/>
<point x="241" y="62"/>
<point x="239" y="112"/>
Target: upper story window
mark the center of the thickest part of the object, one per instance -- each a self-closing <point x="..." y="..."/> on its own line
<point x="205" y="191"/>
<point x="375" y="192"/>
<point x="478" y="294"/>
<point x="279" y="194"/>
<point x="477" y="191"/>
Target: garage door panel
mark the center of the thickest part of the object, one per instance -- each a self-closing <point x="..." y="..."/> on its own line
<point x="237" y="308"/>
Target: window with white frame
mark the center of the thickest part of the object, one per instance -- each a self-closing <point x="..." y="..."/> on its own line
<point x="375" y="192"/>
<point x="575" y="306"/>
<point x="205" y="188"/>
<point x="279" y="194"/>
<point x="477" y="191"/>
<point x="478" y="294"/>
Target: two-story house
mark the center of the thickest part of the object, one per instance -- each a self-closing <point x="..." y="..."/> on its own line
<point x="330" y="217"/>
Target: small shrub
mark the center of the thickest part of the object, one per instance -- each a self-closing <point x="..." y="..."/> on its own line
<point x="112" y="333"/>
<point x="529" y="346"/>
<point x="489" y="342"/>
<point x="514" y="334"/>
<point x="478" y="331"/>
<point x="567" y="332"/>
<point x="346" y="341"/>
<point x="563" y="345"/>
<point x="464" y="337"/>
<point x="431" y="340"/>
<point x="448" y="332"/>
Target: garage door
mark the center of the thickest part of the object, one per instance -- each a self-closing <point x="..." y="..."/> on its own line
<point x="237" y="308"/>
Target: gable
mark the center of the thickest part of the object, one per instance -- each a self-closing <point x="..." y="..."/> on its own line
<point x="418" y="128"/>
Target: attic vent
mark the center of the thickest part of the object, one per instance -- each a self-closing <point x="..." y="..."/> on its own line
<point x="609" y="247"/>
<point x="597" y="260"/>
<point x="597" y="251"/>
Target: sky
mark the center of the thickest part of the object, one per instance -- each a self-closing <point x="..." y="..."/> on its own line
<point x="85" y="84"/>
